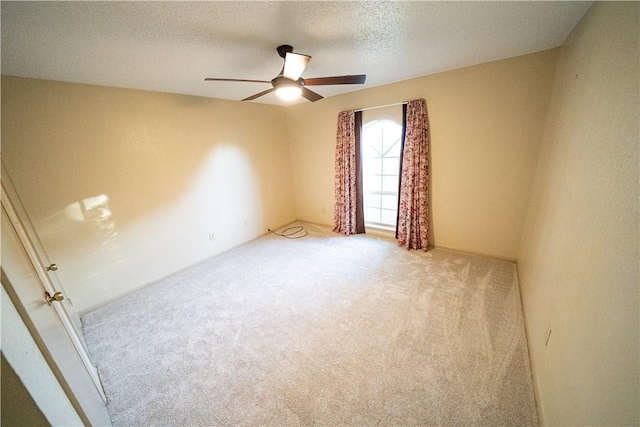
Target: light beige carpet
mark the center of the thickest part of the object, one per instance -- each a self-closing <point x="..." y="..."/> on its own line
<point x="321" y="330"/>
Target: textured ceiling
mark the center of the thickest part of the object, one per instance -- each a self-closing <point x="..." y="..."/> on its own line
<point x="173" y="46"/>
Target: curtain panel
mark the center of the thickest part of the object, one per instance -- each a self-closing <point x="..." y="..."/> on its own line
<point x="348" y="212"/>
<point x="413" y="210"/>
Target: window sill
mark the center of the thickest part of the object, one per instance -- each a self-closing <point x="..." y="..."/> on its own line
<point x="380" y="230"/>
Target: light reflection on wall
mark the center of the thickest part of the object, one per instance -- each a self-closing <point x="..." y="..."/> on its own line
<point x="85" y="232"/>
<point x="105" y="247"/>
<point x="90" y="208"/>
<point x="96" y="214"/>
<point x="225" y="197"/>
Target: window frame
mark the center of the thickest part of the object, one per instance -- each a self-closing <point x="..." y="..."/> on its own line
<point x="379" y="226"/>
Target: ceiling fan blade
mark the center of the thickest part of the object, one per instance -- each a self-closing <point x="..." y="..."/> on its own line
<point x="336" y="80"/>
<point x="311" y="95"/>
<point x="258" y="95"/>
<point x="211" y="79"/>
<point x="294" y="65"/>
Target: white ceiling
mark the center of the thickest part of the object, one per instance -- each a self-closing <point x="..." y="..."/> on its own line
<point x="173" y="46"/>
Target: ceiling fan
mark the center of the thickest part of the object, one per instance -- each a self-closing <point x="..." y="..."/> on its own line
<point x="289" y="85"/>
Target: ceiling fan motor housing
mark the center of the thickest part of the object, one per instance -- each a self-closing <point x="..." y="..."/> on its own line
<point x="281" y="80"/>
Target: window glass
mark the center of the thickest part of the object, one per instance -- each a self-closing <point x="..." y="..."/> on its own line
<point x="381" y="147"/>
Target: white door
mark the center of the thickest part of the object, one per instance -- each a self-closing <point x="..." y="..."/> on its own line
<point x="36" y="250"/>
<point x="46" y="305"/>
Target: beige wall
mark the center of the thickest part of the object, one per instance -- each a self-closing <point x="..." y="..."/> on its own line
<point x="17" y="407"/>
<point x="124" y="187"/>
<point x="486" y="125"/>
<point x="579" y="256"/>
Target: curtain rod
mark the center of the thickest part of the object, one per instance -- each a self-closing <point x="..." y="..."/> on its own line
<point x="381" y="106"/>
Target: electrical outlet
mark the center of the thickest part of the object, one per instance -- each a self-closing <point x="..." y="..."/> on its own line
<point x="212" y="237"/>
<point x="246" y="222"/>
<point x="547" y="334"/>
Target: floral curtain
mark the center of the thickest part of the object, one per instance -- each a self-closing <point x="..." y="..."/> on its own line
<point x="348" y="214"/>
<point x="413" y="216"/>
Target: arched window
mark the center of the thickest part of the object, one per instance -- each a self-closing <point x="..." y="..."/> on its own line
<point x="381" y="149"/>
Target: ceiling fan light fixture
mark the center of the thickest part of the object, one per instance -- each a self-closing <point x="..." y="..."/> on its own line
<point x="289" y="91"/>
<point x="289" y="85"/>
